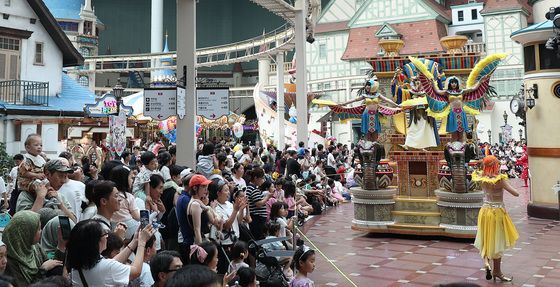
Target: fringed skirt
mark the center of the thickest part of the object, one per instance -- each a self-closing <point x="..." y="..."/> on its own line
<point x="496" y="233"/>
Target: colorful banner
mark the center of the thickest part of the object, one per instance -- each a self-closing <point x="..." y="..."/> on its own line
<point x="117" y="127"/>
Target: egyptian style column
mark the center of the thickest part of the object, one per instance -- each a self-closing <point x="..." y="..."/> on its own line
<point x="186" y="60"/>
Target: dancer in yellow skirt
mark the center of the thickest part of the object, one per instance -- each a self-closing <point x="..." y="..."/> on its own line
<point x="496" y="233"/>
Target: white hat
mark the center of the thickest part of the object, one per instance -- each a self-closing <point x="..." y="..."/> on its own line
<point x="185" y="172"/>
<point x="238" y="154"/>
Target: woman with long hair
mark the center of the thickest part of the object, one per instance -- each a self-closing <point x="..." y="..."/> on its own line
<point x="129" y="213"/>
<point x="88" y="268"/>
<point x="496" y="232"/>
<point x="164" y="161"/>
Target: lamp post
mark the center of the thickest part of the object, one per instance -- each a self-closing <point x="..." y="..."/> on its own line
<point x="490" y="137"/>
<point x="520" y="134"/>
<point x="505" y="117"/>
<point x="118" y="92"/>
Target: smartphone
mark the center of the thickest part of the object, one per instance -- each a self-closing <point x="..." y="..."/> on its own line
<point x="65" y="226"/>
<point x="144" y="218"/>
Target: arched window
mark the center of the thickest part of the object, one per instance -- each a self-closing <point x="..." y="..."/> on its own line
<point x="85" y="51"/>
<point x="84" y="81"/>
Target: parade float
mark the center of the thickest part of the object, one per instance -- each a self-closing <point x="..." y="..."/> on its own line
<point x="430" y="114"/>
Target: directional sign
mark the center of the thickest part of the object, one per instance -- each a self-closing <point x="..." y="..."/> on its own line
<point x="160" y="104"/>
<point x="181" y="104"/>
<point x="212" y="103"/>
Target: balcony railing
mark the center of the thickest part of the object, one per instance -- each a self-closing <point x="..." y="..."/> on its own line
<point x="479" y="48"/>
<point x="20" y="92"/>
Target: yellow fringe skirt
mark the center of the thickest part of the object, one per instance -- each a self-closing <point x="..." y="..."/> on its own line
<point x="496" y="233"/>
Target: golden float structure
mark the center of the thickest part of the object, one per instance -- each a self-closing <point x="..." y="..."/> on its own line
<point x="454" y="44"/>
<point x="391" y="47"/>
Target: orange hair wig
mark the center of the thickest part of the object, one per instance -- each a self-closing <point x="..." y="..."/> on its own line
<point x="491" y="166"/>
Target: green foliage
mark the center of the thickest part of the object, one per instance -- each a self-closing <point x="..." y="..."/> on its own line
<point x="6" y="161"/>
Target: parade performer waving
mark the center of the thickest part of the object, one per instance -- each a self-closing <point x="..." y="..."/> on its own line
<point x="454" y="102"/>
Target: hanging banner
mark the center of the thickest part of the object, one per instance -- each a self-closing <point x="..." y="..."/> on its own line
<point x="117" y="127"/>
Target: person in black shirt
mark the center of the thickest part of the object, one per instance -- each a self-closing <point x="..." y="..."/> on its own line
<point x="292" y="165"/>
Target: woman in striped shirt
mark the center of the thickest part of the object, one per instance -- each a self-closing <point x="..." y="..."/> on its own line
<point x="257" y="202"/>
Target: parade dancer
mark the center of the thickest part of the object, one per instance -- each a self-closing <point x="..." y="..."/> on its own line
<point x="496" y="232"/>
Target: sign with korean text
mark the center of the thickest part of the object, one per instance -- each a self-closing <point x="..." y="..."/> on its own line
<point x="212" y="103"/>
<point x="160" y="104"/>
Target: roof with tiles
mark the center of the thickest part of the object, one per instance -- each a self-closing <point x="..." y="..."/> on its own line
<point x="70" y="101"/>
<point x="438" y="8"/>
<point x="492" y="6"/>
<point x="419" y="37"/>
<point x="331" y="27"/>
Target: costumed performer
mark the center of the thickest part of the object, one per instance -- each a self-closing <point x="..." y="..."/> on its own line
<point x="421" y="130"/>
<point x="496" y="232"/>
<point x="455" y="102"/>
<point x="371" y="126"/>
<point x="524" y="162"/>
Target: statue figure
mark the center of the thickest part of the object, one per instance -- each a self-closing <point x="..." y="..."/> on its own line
<point x="421" y="130"/>
<point x="371" y="108"/>
<point x="453" y="104"/>
<point x="369" y="112"/>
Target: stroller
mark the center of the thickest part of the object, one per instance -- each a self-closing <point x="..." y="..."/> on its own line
<point x="268" y="269"/>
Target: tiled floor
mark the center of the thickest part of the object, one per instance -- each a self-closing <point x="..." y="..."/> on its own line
<point x="390" y="260"/>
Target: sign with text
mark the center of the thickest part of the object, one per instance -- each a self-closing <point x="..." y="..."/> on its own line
<point x="212" y="103"/>
<point x="181" y="102"/>
<point x="106" y="106"/>
<point x="160" y="104"/>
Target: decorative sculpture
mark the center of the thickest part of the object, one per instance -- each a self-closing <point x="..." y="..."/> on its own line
<point x="369" y="112"/>
<point x="453" y="104"/>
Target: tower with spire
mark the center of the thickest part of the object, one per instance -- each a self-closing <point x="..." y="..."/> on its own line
<point x="78" y="21"/>
<point x="164" y="77"/>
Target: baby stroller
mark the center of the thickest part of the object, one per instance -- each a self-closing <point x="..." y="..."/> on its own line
<point x="268" y="269"/>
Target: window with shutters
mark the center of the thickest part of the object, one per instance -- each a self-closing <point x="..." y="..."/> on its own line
<point x="39" y="47"/>
<point x="9" y="58"/>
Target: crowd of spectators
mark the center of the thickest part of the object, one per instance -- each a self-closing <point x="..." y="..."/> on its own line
<point x="140" y="219"/>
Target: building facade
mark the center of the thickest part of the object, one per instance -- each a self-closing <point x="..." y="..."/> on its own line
<point x="35" y="95"/>
<point x="348" y="34"/>
<point x="78" y="20"/>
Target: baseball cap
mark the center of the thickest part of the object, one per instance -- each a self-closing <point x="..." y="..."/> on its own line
<point x="57" y="165"/>
<point x="198" y="179"/>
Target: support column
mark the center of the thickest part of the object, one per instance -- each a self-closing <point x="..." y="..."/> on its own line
<point x="156" y="35"/>
<point x="186" y="50"/>
<point x="301" y="70"/>
<point x="156" y="38"/>
<point x="280" y="108"/>
<point x="264" y="71"/>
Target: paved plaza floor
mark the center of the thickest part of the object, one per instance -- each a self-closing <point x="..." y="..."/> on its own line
<point x="391" y="260"/>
